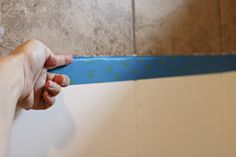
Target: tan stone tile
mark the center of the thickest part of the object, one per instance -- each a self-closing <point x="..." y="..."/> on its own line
<point x="229" y="26"/>
<point x="82" y="27"/>
<point x="167" y="27"/>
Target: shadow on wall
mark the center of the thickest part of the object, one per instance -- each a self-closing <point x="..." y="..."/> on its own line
<point x="94" y="120"/>
<point x="111" y="126"/>
<point x="178" y="27"/>
<point x="35" y="132"/>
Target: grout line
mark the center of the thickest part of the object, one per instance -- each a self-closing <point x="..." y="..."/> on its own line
<point x="222" y="132"/>
<point x="137" y="112"/>
<point x="133" y="28"/>
<point x="221" y="25"/>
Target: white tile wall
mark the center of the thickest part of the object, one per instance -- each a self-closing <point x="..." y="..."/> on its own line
<point x="88" y="121"/>
<point x="180" y="117"/>
<point x="229" y="114"/>
<point x="169" y="117"/>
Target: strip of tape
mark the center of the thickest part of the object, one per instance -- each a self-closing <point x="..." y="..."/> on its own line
<point x="85" y="70"/>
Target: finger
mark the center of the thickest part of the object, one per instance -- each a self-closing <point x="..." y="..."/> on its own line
<point x="62" y="80"/>
<point x="38" y="89"/>
<point x="53" y="60"/>
<point x="40" y="106"/>
<point x="52" y="87"/>
<point x="49" y="100"/>
<point x="51" y="76"/>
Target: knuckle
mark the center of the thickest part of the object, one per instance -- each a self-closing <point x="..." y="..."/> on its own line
<point x="51" y="102"/>
<point x="34" y="41"/>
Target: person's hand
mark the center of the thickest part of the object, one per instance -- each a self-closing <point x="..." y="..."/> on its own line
<point x="40" y="87"/>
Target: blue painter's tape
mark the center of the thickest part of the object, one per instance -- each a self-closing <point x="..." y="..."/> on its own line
<point x="108" y="69"/>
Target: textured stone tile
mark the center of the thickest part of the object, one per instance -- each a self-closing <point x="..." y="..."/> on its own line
<point x="170" y="27"/>
<point x="229" y="26"/>
<point x="83" y="27"/>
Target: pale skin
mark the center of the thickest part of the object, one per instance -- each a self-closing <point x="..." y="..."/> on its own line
<point x="25" y="83"/>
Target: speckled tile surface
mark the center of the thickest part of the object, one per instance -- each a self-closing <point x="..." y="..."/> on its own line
<point x="170" y="27"/>
<point x="82" y="27"/>
<point x="229" y="26"/>
<point x="104" y="27"/>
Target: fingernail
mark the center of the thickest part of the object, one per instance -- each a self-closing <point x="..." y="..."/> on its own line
<point x="64" y="82"/>
<point x="69" y="59"/>
<point x="50" y="83"/>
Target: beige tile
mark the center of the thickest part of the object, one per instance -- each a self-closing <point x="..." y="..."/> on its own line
<point x="229" y="114"/>
<point x="167" y="27"/>
<point x="96" y="120"/>
<point x="229" y="26"/>
<point x="82" y="27"/>
<point x="180" y="117"/>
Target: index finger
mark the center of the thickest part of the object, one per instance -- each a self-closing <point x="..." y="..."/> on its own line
<point x="53" y="60"/>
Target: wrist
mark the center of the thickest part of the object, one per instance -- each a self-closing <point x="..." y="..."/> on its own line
<point x="12" y="70"/>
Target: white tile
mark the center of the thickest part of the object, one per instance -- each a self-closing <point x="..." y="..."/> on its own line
<point x="96" y="120"/>
<point x="229" y="113"/>
<point x="169" y="117"/>
<point x="180" y="117"/>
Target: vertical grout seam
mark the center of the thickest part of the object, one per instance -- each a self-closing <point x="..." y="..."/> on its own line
<point x="222" y="112"/>
<point x="133" y="28"/>
<point x="137" y="107"/>
<point x="137" y="112"/>
<point x="221" y="26"/>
